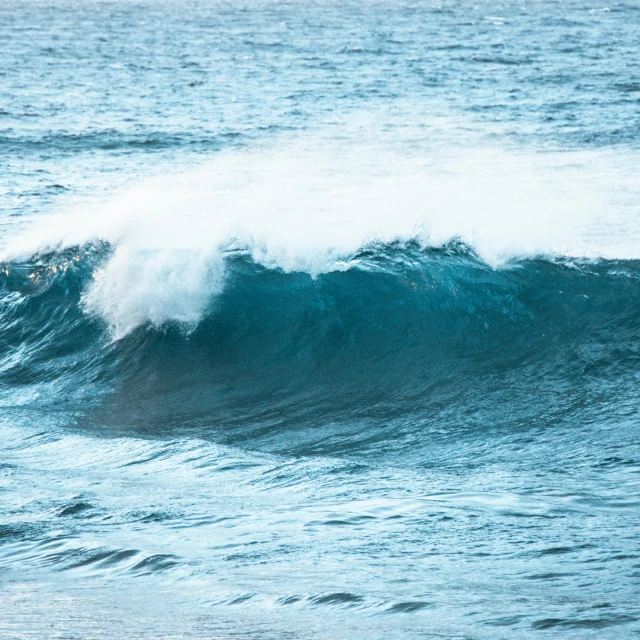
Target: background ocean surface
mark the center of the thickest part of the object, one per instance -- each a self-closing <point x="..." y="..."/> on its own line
<point x="319" y="319"/>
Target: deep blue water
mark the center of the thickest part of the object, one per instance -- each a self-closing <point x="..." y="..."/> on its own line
<point x="319" y="319"/>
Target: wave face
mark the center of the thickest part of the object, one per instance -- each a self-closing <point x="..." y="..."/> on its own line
<point x="427" y="336"/>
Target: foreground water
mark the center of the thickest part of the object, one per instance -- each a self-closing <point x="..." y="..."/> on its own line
<point x="319" y="320"/>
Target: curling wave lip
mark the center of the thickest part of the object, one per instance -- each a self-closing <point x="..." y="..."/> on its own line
<point x="307" y="205"/>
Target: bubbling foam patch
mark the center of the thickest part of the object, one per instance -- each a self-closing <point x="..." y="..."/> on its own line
<point x="309" y="204"/>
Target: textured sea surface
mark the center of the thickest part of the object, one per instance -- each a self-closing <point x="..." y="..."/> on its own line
<point x="319" y="320"/>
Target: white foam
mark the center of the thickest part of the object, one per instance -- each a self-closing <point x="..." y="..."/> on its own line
<point x="307" y="204"/>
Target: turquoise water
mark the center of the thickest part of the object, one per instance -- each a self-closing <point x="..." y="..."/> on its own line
<point x="319" y="320"/>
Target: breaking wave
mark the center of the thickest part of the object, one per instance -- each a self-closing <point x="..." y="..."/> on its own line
<point x="432" y="334"/>
<point x="325" y="283"/>
<point x="309" y="205"/>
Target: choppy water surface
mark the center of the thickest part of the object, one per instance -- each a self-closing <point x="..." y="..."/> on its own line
<point x="319" y="320"/>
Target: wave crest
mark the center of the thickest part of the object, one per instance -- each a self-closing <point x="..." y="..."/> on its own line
<point x="310" y="204"/>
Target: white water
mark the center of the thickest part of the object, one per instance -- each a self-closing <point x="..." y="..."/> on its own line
<point x="308" y="204"/>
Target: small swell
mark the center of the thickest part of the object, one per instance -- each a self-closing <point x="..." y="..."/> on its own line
<point x="344" y="599"/>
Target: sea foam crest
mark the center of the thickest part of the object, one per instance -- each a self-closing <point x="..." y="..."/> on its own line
<point x="309" y="204"/>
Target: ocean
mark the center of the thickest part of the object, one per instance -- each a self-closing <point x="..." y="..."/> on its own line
<point x="319" y="319"/>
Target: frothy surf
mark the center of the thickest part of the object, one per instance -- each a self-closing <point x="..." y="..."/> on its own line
<point x="310" y="204"/>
